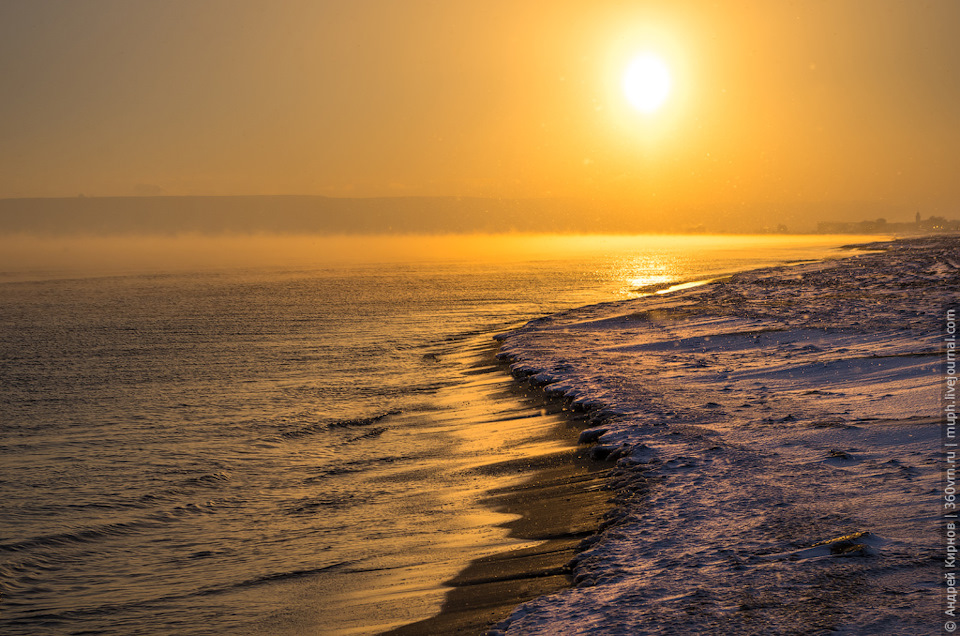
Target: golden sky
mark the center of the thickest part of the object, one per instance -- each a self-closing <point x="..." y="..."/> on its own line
<point x="772" y="102"/>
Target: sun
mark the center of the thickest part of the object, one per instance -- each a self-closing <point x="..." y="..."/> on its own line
<point x="646" y="83"/>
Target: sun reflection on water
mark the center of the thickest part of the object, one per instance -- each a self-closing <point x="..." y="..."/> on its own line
<point x="643" y="275"/>
<point x="648" y="281"/>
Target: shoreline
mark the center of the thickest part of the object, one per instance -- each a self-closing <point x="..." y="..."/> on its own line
<point x="564" y="502"/>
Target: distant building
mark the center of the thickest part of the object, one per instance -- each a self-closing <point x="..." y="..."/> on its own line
<point x="881" y="226"/>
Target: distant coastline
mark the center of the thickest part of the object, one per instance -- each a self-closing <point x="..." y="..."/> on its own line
<point x="931" y="225"/>
<point x="315" y="214"/>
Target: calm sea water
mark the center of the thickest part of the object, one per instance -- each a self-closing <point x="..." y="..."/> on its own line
<point x="265" y="450"/>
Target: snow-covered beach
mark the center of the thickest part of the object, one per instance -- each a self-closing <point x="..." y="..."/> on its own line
<point x="778" y="449"/>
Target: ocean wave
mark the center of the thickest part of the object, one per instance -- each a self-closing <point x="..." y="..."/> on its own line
<point x="108" y="531"/>
<point x="320" y="427"/>
<point x="314" y="505"/>
<point x="181" y="489"/>
<point x="53" y="619"/>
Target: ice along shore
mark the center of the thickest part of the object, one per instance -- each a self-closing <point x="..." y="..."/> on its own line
<point x="776" y="438"/>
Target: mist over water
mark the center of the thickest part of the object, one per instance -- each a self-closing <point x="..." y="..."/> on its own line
<point x="207" y="434"/>
<point x="33" y="256"/>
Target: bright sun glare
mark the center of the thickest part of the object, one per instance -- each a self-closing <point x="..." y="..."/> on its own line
<point x="646" y="83"/>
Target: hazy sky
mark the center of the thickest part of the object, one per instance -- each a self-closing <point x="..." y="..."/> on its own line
<point x="780" y="103"/>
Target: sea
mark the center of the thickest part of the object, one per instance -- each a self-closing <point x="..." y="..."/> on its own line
<point x="285" y="446"/>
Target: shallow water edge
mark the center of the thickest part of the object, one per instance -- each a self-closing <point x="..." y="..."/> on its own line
<point x="560" y="505"/>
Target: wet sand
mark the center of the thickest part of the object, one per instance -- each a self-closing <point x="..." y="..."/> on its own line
<point x="561" y="505"/>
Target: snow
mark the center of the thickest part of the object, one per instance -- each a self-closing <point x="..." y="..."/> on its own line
<point x="777" y="443"/>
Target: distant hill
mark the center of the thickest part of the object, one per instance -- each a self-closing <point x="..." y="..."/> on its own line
<point x="297" y="214"/>
<point x="406" y="215"/>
